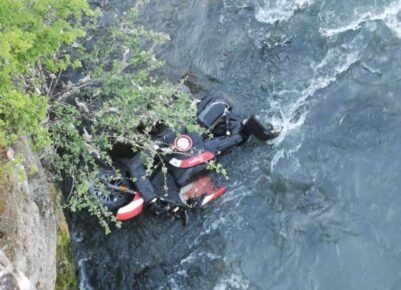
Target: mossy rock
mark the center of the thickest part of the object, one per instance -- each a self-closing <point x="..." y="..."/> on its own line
<point x="66" y="273"/>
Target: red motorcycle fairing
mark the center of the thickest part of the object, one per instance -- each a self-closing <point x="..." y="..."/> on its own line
<point x="203" y="188"/>
<point x="131" y="210"/>
<point x="215" y="194"/>
<point x="192" y="161"/>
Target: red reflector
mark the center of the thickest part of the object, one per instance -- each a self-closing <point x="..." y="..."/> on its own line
<point x="183" y="143"/>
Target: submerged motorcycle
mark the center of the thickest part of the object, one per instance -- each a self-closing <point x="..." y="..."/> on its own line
<point x="188" y="179"/>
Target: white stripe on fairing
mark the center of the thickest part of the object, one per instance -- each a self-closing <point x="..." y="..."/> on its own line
<point x="183" y="192"/>
<point x="131" y="206"/>
<point x="175" y="162"/>
<point x="187" y="187"/>
<point x="207" y="199"/>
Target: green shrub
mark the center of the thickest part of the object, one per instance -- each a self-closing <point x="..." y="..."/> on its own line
<point x="31" y="35"/>
<point x="120" y="100"/>
<point x="119" y="97"/>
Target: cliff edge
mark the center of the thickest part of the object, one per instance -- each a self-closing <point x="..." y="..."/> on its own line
<point x="28" y="224"/>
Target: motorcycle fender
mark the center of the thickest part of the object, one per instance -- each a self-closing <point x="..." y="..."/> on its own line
<point x="131" y="210"/>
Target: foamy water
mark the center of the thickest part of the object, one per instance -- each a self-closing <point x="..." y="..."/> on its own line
<point x="390" y="15"/>
<point x="315" y="208"/>
<point x="271" y="11"/>
<point x="335" y="63"/>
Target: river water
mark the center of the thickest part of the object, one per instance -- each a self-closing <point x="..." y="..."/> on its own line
<point x="318" y="208"/>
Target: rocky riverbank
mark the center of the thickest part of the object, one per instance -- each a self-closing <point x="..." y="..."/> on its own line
<point x="33" y="234"/>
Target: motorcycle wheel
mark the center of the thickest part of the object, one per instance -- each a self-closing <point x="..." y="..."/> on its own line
<point x="111" y="198"/>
